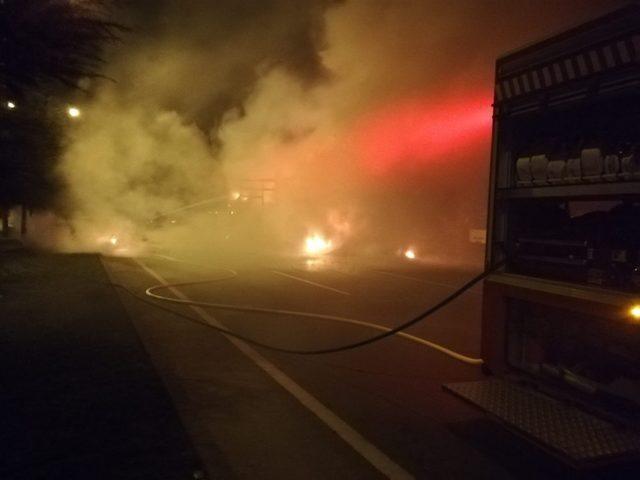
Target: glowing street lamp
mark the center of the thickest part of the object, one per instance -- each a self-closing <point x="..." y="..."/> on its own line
<point x="11" y="105"/>
<point x="73" y="112"/>
<point x="634" y="312"/>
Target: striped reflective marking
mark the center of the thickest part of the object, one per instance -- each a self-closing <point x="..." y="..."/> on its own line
<point x="516" y="86"/>
<point x="595" y="61"/>
<point x="507" y="89"/>
<point x="623" y="51"/>
<point x="557" y="72"/>
<point x="536" y="80"/>
<point x="582" y="65"/>
<point x="546" y="73"/>
<point x="636" y="45"/>
<point x="608" y="56"/>
<point x="571" y="73"/>
<point x="525" y="83"/>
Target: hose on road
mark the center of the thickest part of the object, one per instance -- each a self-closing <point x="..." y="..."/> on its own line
<point x="386" y="332"/>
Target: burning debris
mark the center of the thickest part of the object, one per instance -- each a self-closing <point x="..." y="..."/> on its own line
<point x="316" y="244"/>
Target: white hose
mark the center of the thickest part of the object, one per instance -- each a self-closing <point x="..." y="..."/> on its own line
<point x="151" y="292"/>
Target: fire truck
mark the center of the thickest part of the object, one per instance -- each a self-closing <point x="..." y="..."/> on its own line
<point x="561" y="310"/>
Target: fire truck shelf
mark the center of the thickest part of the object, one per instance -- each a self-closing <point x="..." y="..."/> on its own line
<point x="590" y="294"/>
<point x="597" y="190"/>
<point x="570" y="433"/>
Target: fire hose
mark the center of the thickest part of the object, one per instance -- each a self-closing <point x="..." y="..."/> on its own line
<point x="151" y="292"/>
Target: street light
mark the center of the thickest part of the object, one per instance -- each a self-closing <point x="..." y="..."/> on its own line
<point x="11" y="105"/>
<point x="73" y="112"/>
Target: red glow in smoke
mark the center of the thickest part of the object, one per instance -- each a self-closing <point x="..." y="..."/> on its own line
<point x="419" y="131"/>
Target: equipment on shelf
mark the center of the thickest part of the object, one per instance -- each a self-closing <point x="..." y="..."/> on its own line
<point x="523" y="166"/>
<point x="574" y="171"/>
<point x="630" y="167"/>
<point x="556" y="171"/>
<point x="591" y="164"/>
<point x="564" y="215"/>
<point x="599" y="247"/>
<point x="591" y="167"/>
<point x="539" y="164"/>
<point x="611" y="168"/>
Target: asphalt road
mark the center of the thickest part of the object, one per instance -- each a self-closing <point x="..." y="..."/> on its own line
<point x="371" y="412"/>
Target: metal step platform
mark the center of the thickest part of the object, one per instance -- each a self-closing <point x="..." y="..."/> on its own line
<point x="573" y="435"/>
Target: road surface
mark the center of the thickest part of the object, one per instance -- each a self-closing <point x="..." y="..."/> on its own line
<point x="373" y="412"/>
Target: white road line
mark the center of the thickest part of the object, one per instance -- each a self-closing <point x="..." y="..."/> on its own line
<point x="174" y="259"/>
<point x="370" y="452"/>
<point x="303" y="280"/>
<point x="333" y="269"/>
<point x="420" y="280"/>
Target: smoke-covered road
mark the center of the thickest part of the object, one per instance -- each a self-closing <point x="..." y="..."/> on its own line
<point x="384" y="401"/>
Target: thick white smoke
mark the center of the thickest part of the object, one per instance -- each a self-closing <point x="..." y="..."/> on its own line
<point x="311" y="111"/>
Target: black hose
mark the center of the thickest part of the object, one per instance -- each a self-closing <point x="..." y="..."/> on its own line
<point x="376" y="338"/>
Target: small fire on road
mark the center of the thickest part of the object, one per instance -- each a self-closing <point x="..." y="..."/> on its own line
<point x="410" y="254"/>
<point x="316" y="244"/>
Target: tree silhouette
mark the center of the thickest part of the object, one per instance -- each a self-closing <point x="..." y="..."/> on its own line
<point x="52" y="40"/>
<point x="43" y="43"/>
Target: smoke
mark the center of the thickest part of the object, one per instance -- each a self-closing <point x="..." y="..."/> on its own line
<point x="364" y="121"/>
<point x="126" y="164"/>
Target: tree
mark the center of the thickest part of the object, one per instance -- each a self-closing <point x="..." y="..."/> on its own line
<point x="42" y="43"/>
<point x="30" y="145"/>
<point x="52" y="40"/>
